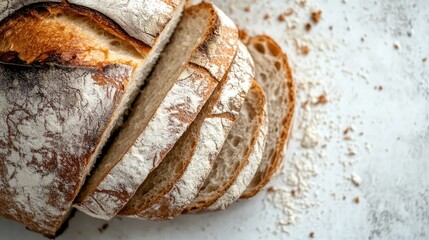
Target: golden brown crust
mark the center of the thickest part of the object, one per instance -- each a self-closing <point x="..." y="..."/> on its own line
<point x="33" y="35"/>
<point x="110" y="26"/>
<point x="277" y="160"/>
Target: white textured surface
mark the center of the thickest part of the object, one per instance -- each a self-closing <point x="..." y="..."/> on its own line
<point x="394" y="193"/>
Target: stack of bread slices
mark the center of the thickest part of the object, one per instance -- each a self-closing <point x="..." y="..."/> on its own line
<point x="138" y="108"/>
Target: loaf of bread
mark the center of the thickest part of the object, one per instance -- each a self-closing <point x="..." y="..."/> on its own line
<point x="90" y="118"/>
<point x="67" y="74"/>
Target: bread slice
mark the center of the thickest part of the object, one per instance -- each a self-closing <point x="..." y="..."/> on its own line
<point x="240" y="147"/>
<point x="175" y="182"/>
<point x="55" y="118"/>
<point x="275" y="77"/>
<point x="198" y="56"/>
<point x="245" y="146"/>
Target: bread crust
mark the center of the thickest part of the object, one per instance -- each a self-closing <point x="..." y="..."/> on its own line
<point x="250" y="164"/>
<point x="210" y="62"/>
<point x="141" y="20"/>
<point x="30" y="37"/>
<point x="276" y="161"/>
<point x="201" y="144"/>
<point x="45" y="149"/>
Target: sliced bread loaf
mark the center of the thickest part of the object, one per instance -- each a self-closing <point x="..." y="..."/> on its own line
<point x="198" y="56"/>
<point x="175" y="182"/>
<point x="245" y="143"/>
<point x="275" y="76"/>
<point x="55" y="118"/>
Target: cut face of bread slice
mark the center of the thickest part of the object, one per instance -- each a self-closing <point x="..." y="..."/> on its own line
<point x="242" y="142"/>
<point x="55" y="118"/>
<point x="245" y="146"/>
<point x="274" y="75"/>
<point x="175" y="182"/>
<point x="184" y="78"/>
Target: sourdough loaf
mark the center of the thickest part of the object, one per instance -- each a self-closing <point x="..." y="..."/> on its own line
<point x="67" y="73"/>
<point x="175" y="182"/>
<point x="198" y="56"/>
<point x="275" y="77"/>
<point x="245" y="146"/>
<point x="244" y="143"/>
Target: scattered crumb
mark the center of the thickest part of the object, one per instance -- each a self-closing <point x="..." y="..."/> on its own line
<point x="379" y="88"/>
<point x="396" y="45"/>
<point x="103" y="228"/>
<point x="247" y="9"/>
<point x="330" y="28"/>
<point x="344" y="198"/>
<point x="424" y="59"/>
<point x="310" y="138"/>
<point x="289" y="12"/>
<point x="356" y="200"/>
<point x="347" y="130"/>
<point x="316" y="16"/>
<point x="305" y="50"/>
<point x="356" y="179"/>
<point x="266" y="16"/>
<point x="304" y="104"/>
<point x="270" y="189"/>
<point x="281" y="18"/>
<point x="322" y="99"/>
<point x="311" y="234"/>
<point x="351" y="150"/>
<point x="308" y="27"/>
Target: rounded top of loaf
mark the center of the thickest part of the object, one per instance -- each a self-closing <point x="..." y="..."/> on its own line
<point x="142" y="20"/>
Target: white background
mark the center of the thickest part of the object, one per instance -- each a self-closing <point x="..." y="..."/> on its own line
<point x="392" y="152"/>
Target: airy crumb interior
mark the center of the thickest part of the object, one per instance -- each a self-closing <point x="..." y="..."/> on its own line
<point x="188" y="34"/>
<point x="233" y="152"/>
<point x="271" y="75"/>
